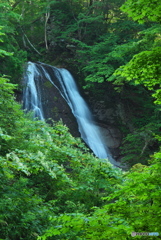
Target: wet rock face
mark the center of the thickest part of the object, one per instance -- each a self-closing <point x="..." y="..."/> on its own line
<point x="55" y="107"/>
<point x="113" y="138"/>
<point x="106" y="116"/>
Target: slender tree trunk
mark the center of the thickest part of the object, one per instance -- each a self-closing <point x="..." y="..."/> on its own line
<point x="47" y="15"/>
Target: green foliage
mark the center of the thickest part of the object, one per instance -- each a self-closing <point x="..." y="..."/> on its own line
<point x="3" y="53"/>
<point x="99" y="59"/>
<point x="8" y="105"/>
<point x="51" y="186"/>
<point x="142" y="11"/>
<point x="85" y="35"/>
<point x="133" y="207"/>
<point x="139" y="145"/>
<point x="144" y="69"/>
<point x="11" y="64"/>
<point x="44" y="172"/>
<point x="141" y="71"/>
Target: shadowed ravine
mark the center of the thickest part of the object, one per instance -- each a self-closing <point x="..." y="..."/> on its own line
<point x="64" y="82"/>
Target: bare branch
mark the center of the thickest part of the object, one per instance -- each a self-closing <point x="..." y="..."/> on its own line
<point x="25" y="36"/>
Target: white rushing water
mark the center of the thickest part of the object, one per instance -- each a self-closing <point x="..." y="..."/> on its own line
<point x="31" y="93"/>
<point x="89" y="131"/>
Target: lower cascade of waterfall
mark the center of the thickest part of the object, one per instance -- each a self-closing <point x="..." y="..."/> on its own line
<point x="90" y="132"/>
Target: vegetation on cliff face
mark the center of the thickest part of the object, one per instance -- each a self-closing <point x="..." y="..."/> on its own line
<point x="51" y="186"/>
<point x="45" y="172"/>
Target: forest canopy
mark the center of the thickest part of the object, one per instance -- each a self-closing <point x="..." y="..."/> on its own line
<point x="51" y="186"/>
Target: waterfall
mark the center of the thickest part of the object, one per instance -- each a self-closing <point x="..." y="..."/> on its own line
<point x="31" y="93"/>
<point x="67" y="87"/>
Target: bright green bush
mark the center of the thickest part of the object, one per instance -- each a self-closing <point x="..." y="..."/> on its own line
<point x="44" y="172"/>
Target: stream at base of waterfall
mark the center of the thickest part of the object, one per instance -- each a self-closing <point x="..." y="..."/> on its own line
<point x="90" y="132"/>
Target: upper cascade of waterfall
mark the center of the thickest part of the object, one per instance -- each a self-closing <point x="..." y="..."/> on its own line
<point x="89" y="130"/>
<point x="31" y="93"/>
